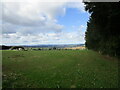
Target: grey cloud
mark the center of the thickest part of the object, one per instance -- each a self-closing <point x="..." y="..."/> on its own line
<point x="21" y="21"/>
<point x="8" y="28"/>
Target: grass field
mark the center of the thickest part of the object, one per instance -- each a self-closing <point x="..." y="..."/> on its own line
<point x="59" y="69"/>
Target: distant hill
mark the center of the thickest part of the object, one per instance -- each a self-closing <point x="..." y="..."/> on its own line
<point x="57" y="46"/>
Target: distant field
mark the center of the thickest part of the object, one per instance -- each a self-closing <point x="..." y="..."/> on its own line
<point x="59" y="69"/>
<point x="78" y="47"/>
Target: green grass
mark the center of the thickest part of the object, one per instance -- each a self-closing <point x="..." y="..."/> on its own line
<point x="59" y="69"/>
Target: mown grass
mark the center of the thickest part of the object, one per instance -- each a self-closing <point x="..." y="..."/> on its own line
<point x="58" y="69"/>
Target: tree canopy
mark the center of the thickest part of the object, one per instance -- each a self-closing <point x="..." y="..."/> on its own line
<point x="103" y="27"/>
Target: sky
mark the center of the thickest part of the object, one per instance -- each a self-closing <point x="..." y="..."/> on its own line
<point x="31" y="22"/>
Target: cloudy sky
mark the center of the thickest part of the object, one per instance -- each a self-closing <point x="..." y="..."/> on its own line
<point x="31" y="22"/>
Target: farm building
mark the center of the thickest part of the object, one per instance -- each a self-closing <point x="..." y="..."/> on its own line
<point x="17" y="48"/>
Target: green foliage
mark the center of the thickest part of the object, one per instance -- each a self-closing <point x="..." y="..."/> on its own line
<point x="58" y="69"/>
<point x="54" y="48"/>
<point x="102" y="28"/>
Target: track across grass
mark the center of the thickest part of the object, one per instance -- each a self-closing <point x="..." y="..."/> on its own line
<point x="58" y="69"/>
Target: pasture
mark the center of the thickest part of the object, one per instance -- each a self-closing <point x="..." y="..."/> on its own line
<point x="58" y="69"/>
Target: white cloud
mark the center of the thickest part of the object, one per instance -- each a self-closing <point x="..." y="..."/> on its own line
<point x="41" y="39"/>
<point x="33" y="21"/>
<point x="34" y="13"/>
<point x="76" y="36"/>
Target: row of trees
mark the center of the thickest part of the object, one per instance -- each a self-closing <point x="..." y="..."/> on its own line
<point x="103" y="27"/>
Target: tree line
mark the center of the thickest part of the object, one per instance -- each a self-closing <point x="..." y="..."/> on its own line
<point x="103" y="31"/>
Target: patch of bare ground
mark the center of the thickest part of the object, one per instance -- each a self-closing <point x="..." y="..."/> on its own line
<point x="74" y="48"/>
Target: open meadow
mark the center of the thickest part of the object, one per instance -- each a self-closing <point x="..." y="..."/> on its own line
<point x="58" y="69"/>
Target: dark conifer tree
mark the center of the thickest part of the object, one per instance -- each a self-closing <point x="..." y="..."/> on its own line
<point x="103" y="27"/>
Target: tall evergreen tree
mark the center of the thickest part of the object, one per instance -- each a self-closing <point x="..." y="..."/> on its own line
<point x="103" y="27"/>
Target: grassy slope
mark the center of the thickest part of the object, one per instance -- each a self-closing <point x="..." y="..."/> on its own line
<point x="58" y="69"/>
